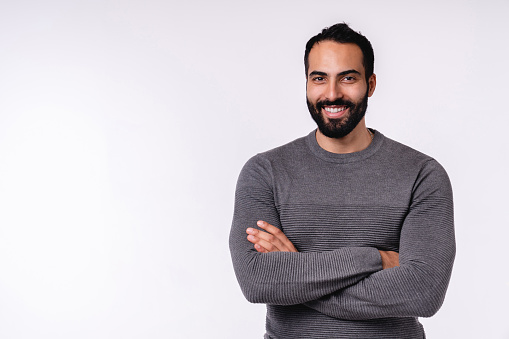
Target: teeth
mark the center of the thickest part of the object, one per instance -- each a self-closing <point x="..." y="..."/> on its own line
<point x="334" y="110"/>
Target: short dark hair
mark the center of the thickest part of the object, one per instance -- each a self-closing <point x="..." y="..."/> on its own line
<point x="343" y="34"/>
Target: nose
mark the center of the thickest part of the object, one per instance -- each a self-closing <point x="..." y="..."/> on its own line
<point x="333" y="91"/>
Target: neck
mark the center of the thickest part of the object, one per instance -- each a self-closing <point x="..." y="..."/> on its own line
<point x="355" y="141"/>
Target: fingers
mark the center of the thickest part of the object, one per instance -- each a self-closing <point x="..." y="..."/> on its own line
<point x="268" y="241"/>
<point x="260" y="249"/>
<point x="269" y="228"/>
<point x="280" y="236"/>
<point x="272" y="240"/>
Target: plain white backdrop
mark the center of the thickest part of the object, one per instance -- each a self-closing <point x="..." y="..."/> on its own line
<point x="124" y="125"/>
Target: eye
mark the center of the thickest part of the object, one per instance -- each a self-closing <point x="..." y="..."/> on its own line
<point x="349" y="78"/>
<point x="318" y="79"/>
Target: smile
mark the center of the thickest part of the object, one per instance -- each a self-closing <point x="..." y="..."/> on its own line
<point x="334" y="109"/>
<point x="334" y="112"/>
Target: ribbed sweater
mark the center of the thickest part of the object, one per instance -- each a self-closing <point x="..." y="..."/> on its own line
<point x="339" y="210"/>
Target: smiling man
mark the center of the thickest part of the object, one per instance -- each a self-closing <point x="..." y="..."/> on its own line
<point x="343" y="233"/>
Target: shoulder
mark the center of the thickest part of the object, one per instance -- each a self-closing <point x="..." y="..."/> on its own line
<point x="406" y="156"/>
<point x="278" y="155"/>
<point x="403" y="152"/>
<point x="286" y="151"/>
<point x="428" y="170"/>
<point x="263" y="165"/>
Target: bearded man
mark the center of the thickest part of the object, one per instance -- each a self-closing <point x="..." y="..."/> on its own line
<point x="343" y="233"/>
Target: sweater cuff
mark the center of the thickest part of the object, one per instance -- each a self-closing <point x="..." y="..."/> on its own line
<point x="366" y="259"/>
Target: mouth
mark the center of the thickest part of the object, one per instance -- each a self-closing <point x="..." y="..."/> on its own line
<point x="334" y="111"/>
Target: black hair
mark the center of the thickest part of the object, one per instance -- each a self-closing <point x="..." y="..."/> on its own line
<point x="343" y="34"/>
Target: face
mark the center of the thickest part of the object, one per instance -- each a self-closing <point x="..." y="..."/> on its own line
<point x="337" y="91"/>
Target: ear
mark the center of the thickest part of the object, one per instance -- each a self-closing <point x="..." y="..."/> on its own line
<point x="372" y="84"/>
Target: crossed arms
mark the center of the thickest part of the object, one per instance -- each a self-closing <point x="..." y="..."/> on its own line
<point x="351" y="282"/>
<point x="274" y="240"/>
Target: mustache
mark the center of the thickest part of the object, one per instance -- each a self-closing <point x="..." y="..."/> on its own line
<point x="338" y="102"/>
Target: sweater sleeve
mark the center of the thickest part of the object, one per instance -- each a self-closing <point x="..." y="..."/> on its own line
<point x="286" y="278"/>
<point x="427" y="249"/>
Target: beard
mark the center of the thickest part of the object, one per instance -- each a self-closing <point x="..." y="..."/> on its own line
<point x="338" y="128"/>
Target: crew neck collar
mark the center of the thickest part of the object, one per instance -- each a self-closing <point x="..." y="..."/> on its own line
<point x="344" y="158"/>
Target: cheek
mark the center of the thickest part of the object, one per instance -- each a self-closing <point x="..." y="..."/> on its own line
<point x="312" y="94"/>
<point x="355" y="94"/>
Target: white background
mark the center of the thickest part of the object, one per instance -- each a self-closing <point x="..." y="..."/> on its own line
<point x="124" y="125"/>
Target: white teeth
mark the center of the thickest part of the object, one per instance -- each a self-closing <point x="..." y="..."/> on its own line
<point x="334" y="110"/>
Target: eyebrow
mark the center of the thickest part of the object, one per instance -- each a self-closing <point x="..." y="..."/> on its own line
<point x="350" y="71"/>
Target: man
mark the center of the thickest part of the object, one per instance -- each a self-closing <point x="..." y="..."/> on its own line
<point x="343" y="233"/>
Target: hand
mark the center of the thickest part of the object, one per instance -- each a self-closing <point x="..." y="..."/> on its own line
<point x="273" y="240"/>
<point x="390" y="259"/>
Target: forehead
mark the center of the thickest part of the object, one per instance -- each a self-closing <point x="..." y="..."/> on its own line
<point x="334" y="57"/>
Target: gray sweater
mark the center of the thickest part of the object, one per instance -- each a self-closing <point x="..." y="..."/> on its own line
<point x="338" y="210"/>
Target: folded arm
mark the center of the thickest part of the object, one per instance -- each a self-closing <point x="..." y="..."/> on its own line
<point x="427" y="248"/>
<point x="272" y="239"/>
<point x="286" y="278"/>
